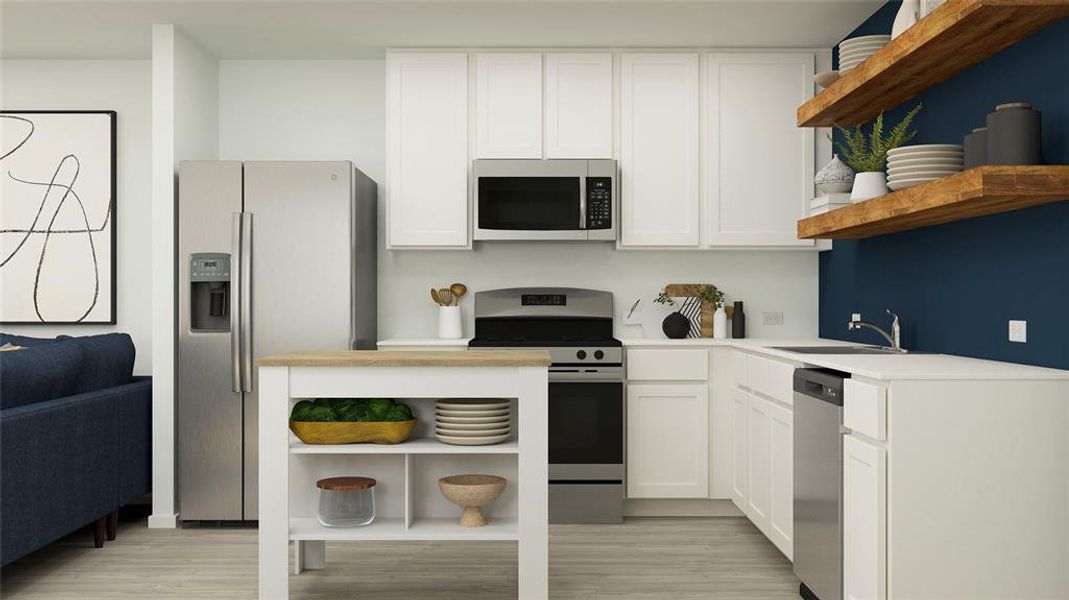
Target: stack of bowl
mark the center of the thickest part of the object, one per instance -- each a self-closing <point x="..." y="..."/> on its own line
<point x="472" y="422"/>
<point x="913" y="165"/>
<point x="854" y="51"/>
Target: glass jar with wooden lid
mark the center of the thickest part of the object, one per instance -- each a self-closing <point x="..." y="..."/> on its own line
<point x="346" y="501"/>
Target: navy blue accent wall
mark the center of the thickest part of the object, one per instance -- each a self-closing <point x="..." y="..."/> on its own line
<point x="956" y="285"/>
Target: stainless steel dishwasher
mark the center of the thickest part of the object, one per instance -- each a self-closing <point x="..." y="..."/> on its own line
<point x="818" y="483"/>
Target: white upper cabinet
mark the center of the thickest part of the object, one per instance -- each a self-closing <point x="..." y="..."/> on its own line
<point x="508" y="105"/>
<point x="578" y="106"/>
<point x="758" y="165"/>
<point x="427" y="150"/>
<point x="659" y="164"/>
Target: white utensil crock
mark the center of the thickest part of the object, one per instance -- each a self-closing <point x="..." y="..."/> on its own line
<point x="869" y="185"/>
<point x="449" y="323"/>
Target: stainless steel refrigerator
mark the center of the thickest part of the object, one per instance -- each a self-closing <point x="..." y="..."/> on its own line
<point x="272" y="257"/>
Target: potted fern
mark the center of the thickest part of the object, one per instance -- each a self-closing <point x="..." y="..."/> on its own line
<point x="867" y="153"/>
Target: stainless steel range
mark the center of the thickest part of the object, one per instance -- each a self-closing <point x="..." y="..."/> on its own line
<point x="586" y="390"/>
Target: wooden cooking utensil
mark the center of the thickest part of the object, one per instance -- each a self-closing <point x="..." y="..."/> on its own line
<point x="446" y="296"/>
<point x="458" y="289"/>
<point x="434" y="296"/>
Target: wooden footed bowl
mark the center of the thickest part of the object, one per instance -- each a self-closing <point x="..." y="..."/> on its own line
<point x="343" y="432"/>
<point x="472" y="492"/>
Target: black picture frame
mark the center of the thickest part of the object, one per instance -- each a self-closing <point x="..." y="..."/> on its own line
<point x="114" y="214"/>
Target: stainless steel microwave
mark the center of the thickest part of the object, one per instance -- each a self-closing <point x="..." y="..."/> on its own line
<point x="554" y="199"/>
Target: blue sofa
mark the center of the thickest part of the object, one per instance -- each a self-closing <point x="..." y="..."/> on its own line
<point x="75" y="438"/>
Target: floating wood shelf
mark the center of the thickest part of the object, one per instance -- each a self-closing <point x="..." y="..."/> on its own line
<point x="973" y="193"/>
<point x="955" y="36"/>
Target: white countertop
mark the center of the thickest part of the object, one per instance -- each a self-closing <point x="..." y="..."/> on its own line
<point x="876" y="366"/>
<point x="895" y="367"/>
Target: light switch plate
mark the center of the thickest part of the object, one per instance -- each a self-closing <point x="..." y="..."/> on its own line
<point x="1019" y="331"/>
<point x="772" y="318"/>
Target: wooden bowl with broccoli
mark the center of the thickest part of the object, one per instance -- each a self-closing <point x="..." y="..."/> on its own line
<point x="352" y="421"/>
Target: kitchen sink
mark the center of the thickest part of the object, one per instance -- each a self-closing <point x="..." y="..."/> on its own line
<point x="838" y="350"/>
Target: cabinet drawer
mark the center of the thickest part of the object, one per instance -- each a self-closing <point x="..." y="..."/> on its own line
<point x="755" y="372"/>
<point x="738" y="368"/>
<point x="668" y="364"/>
<point x="780" y="381"/>
<point x="865" y="408"/>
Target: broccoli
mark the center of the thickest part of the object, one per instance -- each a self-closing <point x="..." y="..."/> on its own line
<point x="377" y="408"/>
<point x="313" y="411"/>
<point x="351" y="409"/>
<point x="398" y="412"/>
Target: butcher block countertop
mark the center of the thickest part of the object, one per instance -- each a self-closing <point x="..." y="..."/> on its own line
<point x="409" y="358"/>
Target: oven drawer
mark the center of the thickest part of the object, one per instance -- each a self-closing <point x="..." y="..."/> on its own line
<point x="586" y="502"/>
<point x="663" y="364"/>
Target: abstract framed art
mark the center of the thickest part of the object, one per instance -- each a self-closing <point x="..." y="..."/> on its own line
<point x="57" y="217"/>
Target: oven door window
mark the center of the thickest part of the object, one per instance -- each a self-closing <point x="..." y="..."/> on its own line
<point x="529" y="203"/>
<point x="586" y="423"/>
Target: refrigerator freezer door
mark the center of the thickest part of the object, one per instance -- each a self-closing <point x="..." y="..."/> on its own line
<point x="209" y="410"/>
<point x="301" y="215"/>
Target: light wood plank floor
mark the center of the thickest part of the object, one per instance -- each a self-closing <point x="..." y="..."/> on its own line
<point x="644" y="559"/>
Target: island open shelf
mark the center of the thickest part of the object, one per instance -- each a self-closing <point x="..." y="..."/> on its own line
<point x="409" y="503"/>
<point x="955" y="36"/>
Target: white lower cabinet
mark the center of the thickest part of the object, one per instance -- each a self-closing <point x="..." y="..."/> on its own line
<point x="740" y="446"/>
<point x="667" y="440"/>
<point x="864" y="520"/>
<point x="762" y="462"/>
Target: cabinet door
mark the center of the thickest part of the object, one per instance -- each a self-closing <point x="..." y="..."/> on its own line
<point x="759" y="428"/>
<point x="578" y="106"/>
<point x="781" y="471"/>
<point x="659" y="149"/>
<point x="508" y="105"/>
<point x="667" y="441"/>
<point x="740" y="447"/>
<point x="758" y="164"/>
<point x="427" y="150"/>
<point x="864" y="520"/>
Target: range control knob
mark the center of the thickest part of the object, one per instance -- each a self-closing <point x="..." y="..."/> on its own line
<point x="598" y="354"/>
<point x="581" y="355"/>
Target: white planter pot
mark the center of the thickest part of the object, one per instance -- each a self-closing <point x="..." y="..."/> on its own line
<point x="869" y="185"/>
<point x="449" y="324"/>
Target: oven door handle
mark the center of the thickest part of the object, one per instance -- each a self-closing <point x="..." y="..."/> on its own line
<point x="610" y="375"/>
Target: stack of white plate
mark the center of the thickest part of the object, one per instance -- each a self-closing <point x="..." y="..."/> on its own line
<point x="472" y="422"/>
<point x="854" y="51"/>
<point x="913" y="165"/>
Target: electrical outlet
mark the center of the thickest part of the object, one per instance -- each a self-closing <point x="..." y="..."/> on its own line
<point x="772" y="318"/>
<point x="1019" y="331"/>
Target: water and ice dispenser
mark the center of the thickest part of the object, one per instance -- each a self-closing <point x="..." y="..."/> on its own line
<point x="209" y="291"/>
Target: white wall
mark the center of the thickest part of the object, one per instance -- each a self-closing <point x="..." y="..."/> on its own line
<point x="185" y="126"/>
<point x="306" y="110"/>
<point x="124" y="86"/>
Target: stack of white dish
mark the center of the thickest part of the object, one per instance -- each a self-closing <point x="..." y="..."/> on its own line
<point x="913" y="165"/>
<point x="472" y="422"/>
<point x="854" y="51"/>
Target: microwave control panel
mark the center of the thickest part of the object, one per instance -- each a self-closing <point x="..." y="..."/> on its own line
<point x="598" y="202"/>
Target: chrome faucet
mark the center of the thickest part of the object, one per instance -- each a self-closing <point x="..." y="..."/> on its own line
<point x="894" y="338"/>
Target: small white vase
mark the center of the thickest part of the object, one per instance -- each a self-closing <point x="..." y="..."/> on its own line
<point x="906" y="17"/>
<point x="869" y="185"/>
<point x="834" y="177"/>
<point x="449" y="324"/>
<point x="720" y="323"/>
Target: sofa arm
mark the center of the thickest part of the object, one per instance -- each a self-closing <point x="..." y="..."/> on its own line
<point x="134" y="413"/>
<point x="58" y="469"/>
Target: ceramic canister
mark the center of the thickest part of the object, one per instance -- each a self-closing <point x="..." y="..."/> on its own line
<point x="1013" y="135"/>
<point x="976" y="148"/>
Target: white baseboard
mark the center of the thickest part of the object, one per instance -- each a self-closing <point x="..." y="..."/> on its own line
<point x="163" y="521"/>
<point x="680" y="507"/>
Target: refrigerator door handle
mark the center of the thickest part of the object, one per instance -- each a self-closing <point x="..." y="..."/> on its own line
<point x="235" y="304"/>
<point x="246" y="301"/>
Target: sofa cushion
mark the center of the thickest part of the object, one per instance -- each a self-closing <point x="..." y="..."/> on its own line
<point x="23" y="340"/>
<point x="107" y="361"/>
<point x="39" y="373"/>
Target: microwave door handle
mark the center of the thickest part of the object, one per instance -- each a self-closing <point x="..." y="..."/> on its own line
<point x="582" y="203"/>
